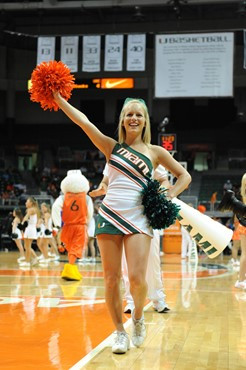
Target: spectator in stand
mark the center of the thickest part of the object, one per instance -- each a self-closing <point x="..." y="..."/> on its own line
<point x="5" y="197"/>
<point x="52" y="190"/>
<point x="10" y="187"/>
<point x="201" y="208"/>
<point x="43" y="185"/>
<point x="213" y="200"/>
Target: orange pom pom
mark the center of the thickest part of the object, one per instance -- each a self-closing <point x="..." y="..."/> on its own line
<point x="48" y="77"/>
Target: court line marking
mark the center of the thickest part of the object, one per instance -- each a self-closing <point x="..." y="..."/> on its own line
<point x="165" y="279"/>
<point x="105" y="343"/>
<point x="45" y="276"/>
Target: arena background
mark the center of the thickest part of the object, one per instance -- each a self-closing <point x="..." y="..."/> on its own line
<point x="50" y="323"/>
<point x="208" y="130"/>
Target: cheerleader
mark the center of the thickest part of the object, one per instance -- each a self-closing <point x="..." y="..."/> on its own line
<point x="17" y="235"/>
<point x="46" y="233"/>
<point x="241" y="282"/>
<point x="235" y="243"/>
<point x="40" y="227"/>
<point x="121" y="215"/>
<point x="153" y="273"/>
<point x="29" y="225"/>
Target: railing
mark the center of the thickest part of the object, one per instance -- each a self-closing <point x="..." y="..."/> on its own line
<point x="211" y="209"/>
<point x="14" y="202"/>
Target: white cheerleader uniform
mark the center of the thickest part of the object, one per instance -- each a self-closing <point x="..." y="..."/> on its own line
<point x="39" y="231"/>
<point x="122" y="206"/>
<point x="31" y="231"/>
<point x="153" y="273"/>
<point x="50" y="228"/>
<point x="17" y="231"/>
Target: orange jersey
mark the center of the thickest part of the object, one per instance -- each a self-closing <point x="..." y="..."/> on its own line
<point x="74" y="210"/>
<point x="241" y="230"/>
<point x="236" y="235"/>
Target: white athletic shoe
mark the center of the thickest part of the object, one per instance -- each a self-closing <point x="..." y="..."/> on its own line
<point x="25" y="264"/>
<point x="34" y="261"/>
<point x="44" y="262"/>
<point x="20" y="259"/>
<point x="54" y="257"/>
<point x="81" y="261"/>
<point x="234" y="262"/>
<point x="161" y="306"/>
<point x="129" y="308"/>
<point x="240" y="284"/>
<point x="121" y="342"/>
<point x="139" y="331"/>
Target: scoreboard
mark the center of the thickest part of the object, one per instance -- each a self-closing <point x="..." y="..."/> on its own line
<point x="101" y="83"/>
<point x="168" y="141"/>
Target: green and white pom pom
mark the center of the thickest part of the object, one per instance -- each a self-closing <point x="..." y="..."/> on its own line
<point x="160" y="212"/>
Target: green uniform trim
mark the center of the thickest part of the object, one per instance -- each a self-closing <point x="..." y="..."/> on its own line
<point x="129" y="173"/>
<point x="105" y="227"/>
<point x="141" y="156"/>
<point x="118" y="219"/>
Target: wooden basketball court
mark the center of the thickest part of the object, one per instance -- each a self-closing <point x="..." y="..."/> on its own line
<point x="47" y="323"/>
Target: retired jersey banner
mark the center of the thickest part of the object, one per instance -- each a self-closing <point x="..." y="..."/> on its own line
<point x="113" y="53"/>
<point x="194" y="65"/>
<point x="69" y="52"/>
<point x="46" y="49"/>
<point x="91" y="53"/>
<point x="136" y="51"/>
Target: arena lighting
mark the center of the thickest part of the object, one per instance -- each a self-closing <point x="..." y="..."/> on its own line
<point x="100" y="83"/>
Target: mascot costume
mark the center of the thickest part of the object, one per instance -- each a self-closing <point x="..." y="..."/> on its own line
<point x="72" y="211"/>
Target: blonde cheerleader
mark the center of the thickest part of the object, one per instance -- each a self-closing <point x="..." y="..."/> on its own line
<point x="17" y="234"/>
<point x="29" y="225"/>
<point x="46" y="233"/>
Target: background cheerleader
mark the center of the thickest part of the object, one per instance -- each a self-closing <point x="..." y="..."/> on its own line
<point x="29" y="223"/>
<point x="241" y="282"/>
<point x="46" y="233"/>
<point x="17" y="234"/>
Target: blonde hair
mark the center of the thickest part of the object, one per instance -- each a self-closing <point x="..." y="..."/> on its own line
<point x="146" y="134"/>
<point x="47" y="206"/>
<point x="35" y="205"/>
<point x="243" y="188"/>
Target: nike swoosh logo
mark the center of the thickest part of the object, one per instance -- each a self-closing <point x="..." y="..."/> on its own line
<point x="111" y="85"/>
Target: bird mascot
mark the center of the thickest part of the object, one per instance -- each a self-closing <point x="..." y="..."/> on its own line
<point x="72" y="211"/>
